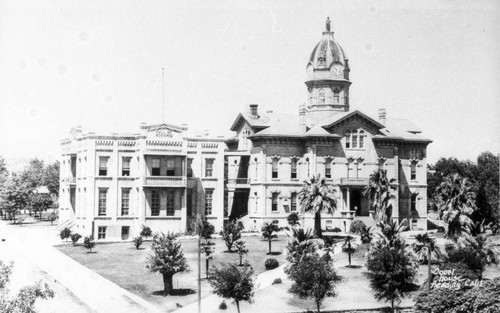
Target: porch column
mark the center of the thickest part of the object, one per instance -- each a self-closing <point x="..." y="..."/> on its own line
<point x="342" y="206"/>
<point x="348" y="199"/>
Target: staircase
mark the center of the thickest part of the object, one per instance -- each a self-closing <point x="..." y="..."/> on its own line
<point x="67" y="223"/>
<point x="368" y="220"/>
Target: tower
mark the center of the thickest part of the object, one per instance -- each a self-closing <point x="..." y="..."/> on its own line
<point x="327" y="79"/>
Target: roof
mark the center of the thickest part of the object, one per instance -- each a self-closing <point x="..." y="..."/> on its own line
<point x="329" y="48"/>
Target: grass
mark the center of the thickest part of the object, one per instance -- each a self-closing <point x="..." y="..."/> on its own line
<point x="123" y="264"/>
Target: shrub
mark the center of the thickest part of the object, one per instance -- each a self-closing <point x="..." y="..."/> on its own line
<point x="357" y="227"/>
<point x="277" y="281"/>
<point x="230" y="233"/>
<point x="146" y="231"/>
<point x="223" y="305"/>
<point x="366" y="235"/>
<point x="75" y="237"/>
<point x="336" y="230"/>
<point x="205" y="229"/>
<point x="329" y="241"/>
<point x="271" y="264"/>
<point x="88" y="243"/>
<point x="138" y="242"/>
<point x="293" y="219"/>
<point x="465" y="255"/>
<point x="65" y="233"/>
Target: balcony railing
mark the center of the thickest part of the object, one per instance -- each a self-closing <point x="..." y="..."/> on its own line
<point x="238" y="181"/>
<point x="70" y="180"/>
<point x="165" y="181"/>
<point x="355" y="181"/>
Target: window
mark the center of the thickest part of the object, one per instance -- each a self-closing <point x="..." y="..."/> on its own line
<point x="336" y="96"/>
<point x="209" y="167"/>
<point x="328" y="168"/>
<point x="126" y="166"/>
<point x="293" y="173"/>
<point x="381" y="164"/>
<point x="256" y="169"/>
<point x="170" y="203"/>
<point x="101" y="232"/>
<point x="275" y="168"/>
<point x="125" y="232"/>
<point x="348" y="139"/>
<point x="361" y="139"/>
<point x="189" y="202"/>
<point x="103" y="166"/>
<point x="208" y="201"/>
<point x="189" y="167"/>
<point x="293" y="202"/>
<point x="321" y="96"/>
<point x="155" y="170"/>
<point x="356" y="169"/>
<point x="125" y="201"/>
<point x="155" y="203"/>
<point x="102" y="201"/>
<point x="349" y="169"/>
<point x="274" y="202"/>
<point x="413" y="204"/>
<point x="354" y="137"/>
<point x="170" y="167"/>
<point x="413" y="169"/>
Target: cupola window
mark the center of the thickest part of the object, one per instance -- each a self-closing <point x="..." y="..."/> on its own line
<point x="336" y="96"/>
<point x="321" y="96"/>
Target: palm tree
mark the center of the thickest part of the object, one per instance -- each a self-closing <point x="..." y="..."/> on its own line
<point x="366" y="234"/>
<point x="457" y="203"/>
<point x="317" y="197"/>
<point x="424" y="247"/>
<point x="390" y="230"/>
<point x="349" y="247"/>
<point x="268" y="232"/>
<point x="380" y="190"/>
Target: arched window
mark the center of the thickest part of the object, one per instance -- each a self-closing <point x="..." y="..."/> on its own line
<point x="348" y="139"/>
<point x="321" y="96"/>
<point x="336" y="96"/>
<point x="354" y="139"/>
<point x="361" y="139"/>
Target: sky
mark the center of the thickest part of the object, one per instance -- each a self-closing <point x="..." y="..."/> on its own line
<point x="98" y="64"/>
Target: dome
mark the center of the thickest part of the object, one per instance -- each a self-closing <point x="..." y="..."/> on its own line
<point x="326" y="52"/>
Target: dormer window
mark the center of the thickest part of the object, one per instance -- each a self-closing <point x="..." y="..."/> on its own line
<point x="348" y="139"/>
<point x="361" y="139"/>
<point x="321" y="96"/>
<point x="354" y="139"/>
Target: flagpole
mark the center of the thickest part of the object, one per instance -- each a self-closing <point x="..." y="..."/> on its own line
<point x="163" y="94"/>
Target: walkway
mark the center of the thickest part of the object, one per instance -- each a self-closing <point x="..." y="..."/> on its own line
<point x="35" y="243"/>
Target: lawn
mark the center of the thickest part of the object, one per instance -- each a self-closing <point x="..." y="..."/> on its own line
<point x="124" y="265"/>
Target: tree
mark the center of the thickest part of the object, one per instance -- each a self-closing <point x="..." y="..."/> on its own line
<point x="366" y="235"/>
<point x="392" y="268"/>
<point x="137" y="242"/>
<point x="75" y="237"/>
<point x="293" y="219"/>
<point x="205" y="229"/>
<point x="207" y="247"/>
<point x="380" y="192"/>
<point x="317" y="197"/>
<point x="241" y="250"/>
<point x="51" y="178"/>
<point x="313" y="277"/>
<point x="65" y="233"/>
<point x="349" y="247"/>
<point x="424" y="247"/>
<point x="146" y="231"/>
<point x="88" y="243"/>
<point x="14" y="196"/>
<point x="268" y="232"/>
<point x="230" y="233"/>
<point x="232" y="282"/>
<point x="40" y="203"/>
<point x="25" y="299"/>
<point x="487" y="199"/>
<point x="457" y="203"/>
<point x="167" y="258"/>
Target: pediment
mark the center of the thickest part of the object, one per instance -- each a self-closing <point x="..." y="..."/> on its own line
<point x="355" y="117"/>
<point x="164" y="131"/>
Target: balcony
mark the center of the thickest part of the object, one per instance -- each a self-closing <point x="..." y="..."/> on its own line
<point x="239" y="182"/>
<point x="354" y="181"/>
<point x="69" y="180"/>
<point x="165" y="181"/>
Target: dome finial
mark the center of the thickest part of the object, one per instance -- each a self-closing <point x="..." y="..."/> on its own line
<point x="328" y="24"/>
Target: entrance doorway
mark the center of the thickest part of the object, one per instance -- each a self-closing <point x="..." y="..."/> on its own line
<point x="359" y="203"/>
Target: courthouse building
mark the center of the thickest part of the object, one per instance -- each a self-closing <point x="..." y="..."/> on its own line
<point x="111" y="185"/>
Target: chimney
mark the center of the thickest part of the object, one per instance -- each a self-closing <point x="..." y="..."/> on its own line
<point x="381" y="116"/>
<point x="302" y="117"/>
<point x="253" y="110"/>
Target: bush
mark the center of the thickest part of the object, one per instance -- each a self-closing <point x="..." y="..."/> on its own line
<point x="65" y="233"/>
<point x="465" y="255"/>
<point x="75" y="237"/>
<point x="271" y="264"/>
<point x="357" y="227"/>
<point x="329" y="241"/>
<point x="277" y="281"/>
<point x="88" y="243"/>
<point x="336" y="230"/>
<point x="146" y="231"/>
<point x="205" y="229"/>
<point x="230" y="233"/>
<point x="138" y="242"/>
<point x="223" y="305"/>
<point x="293" y="219"/>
